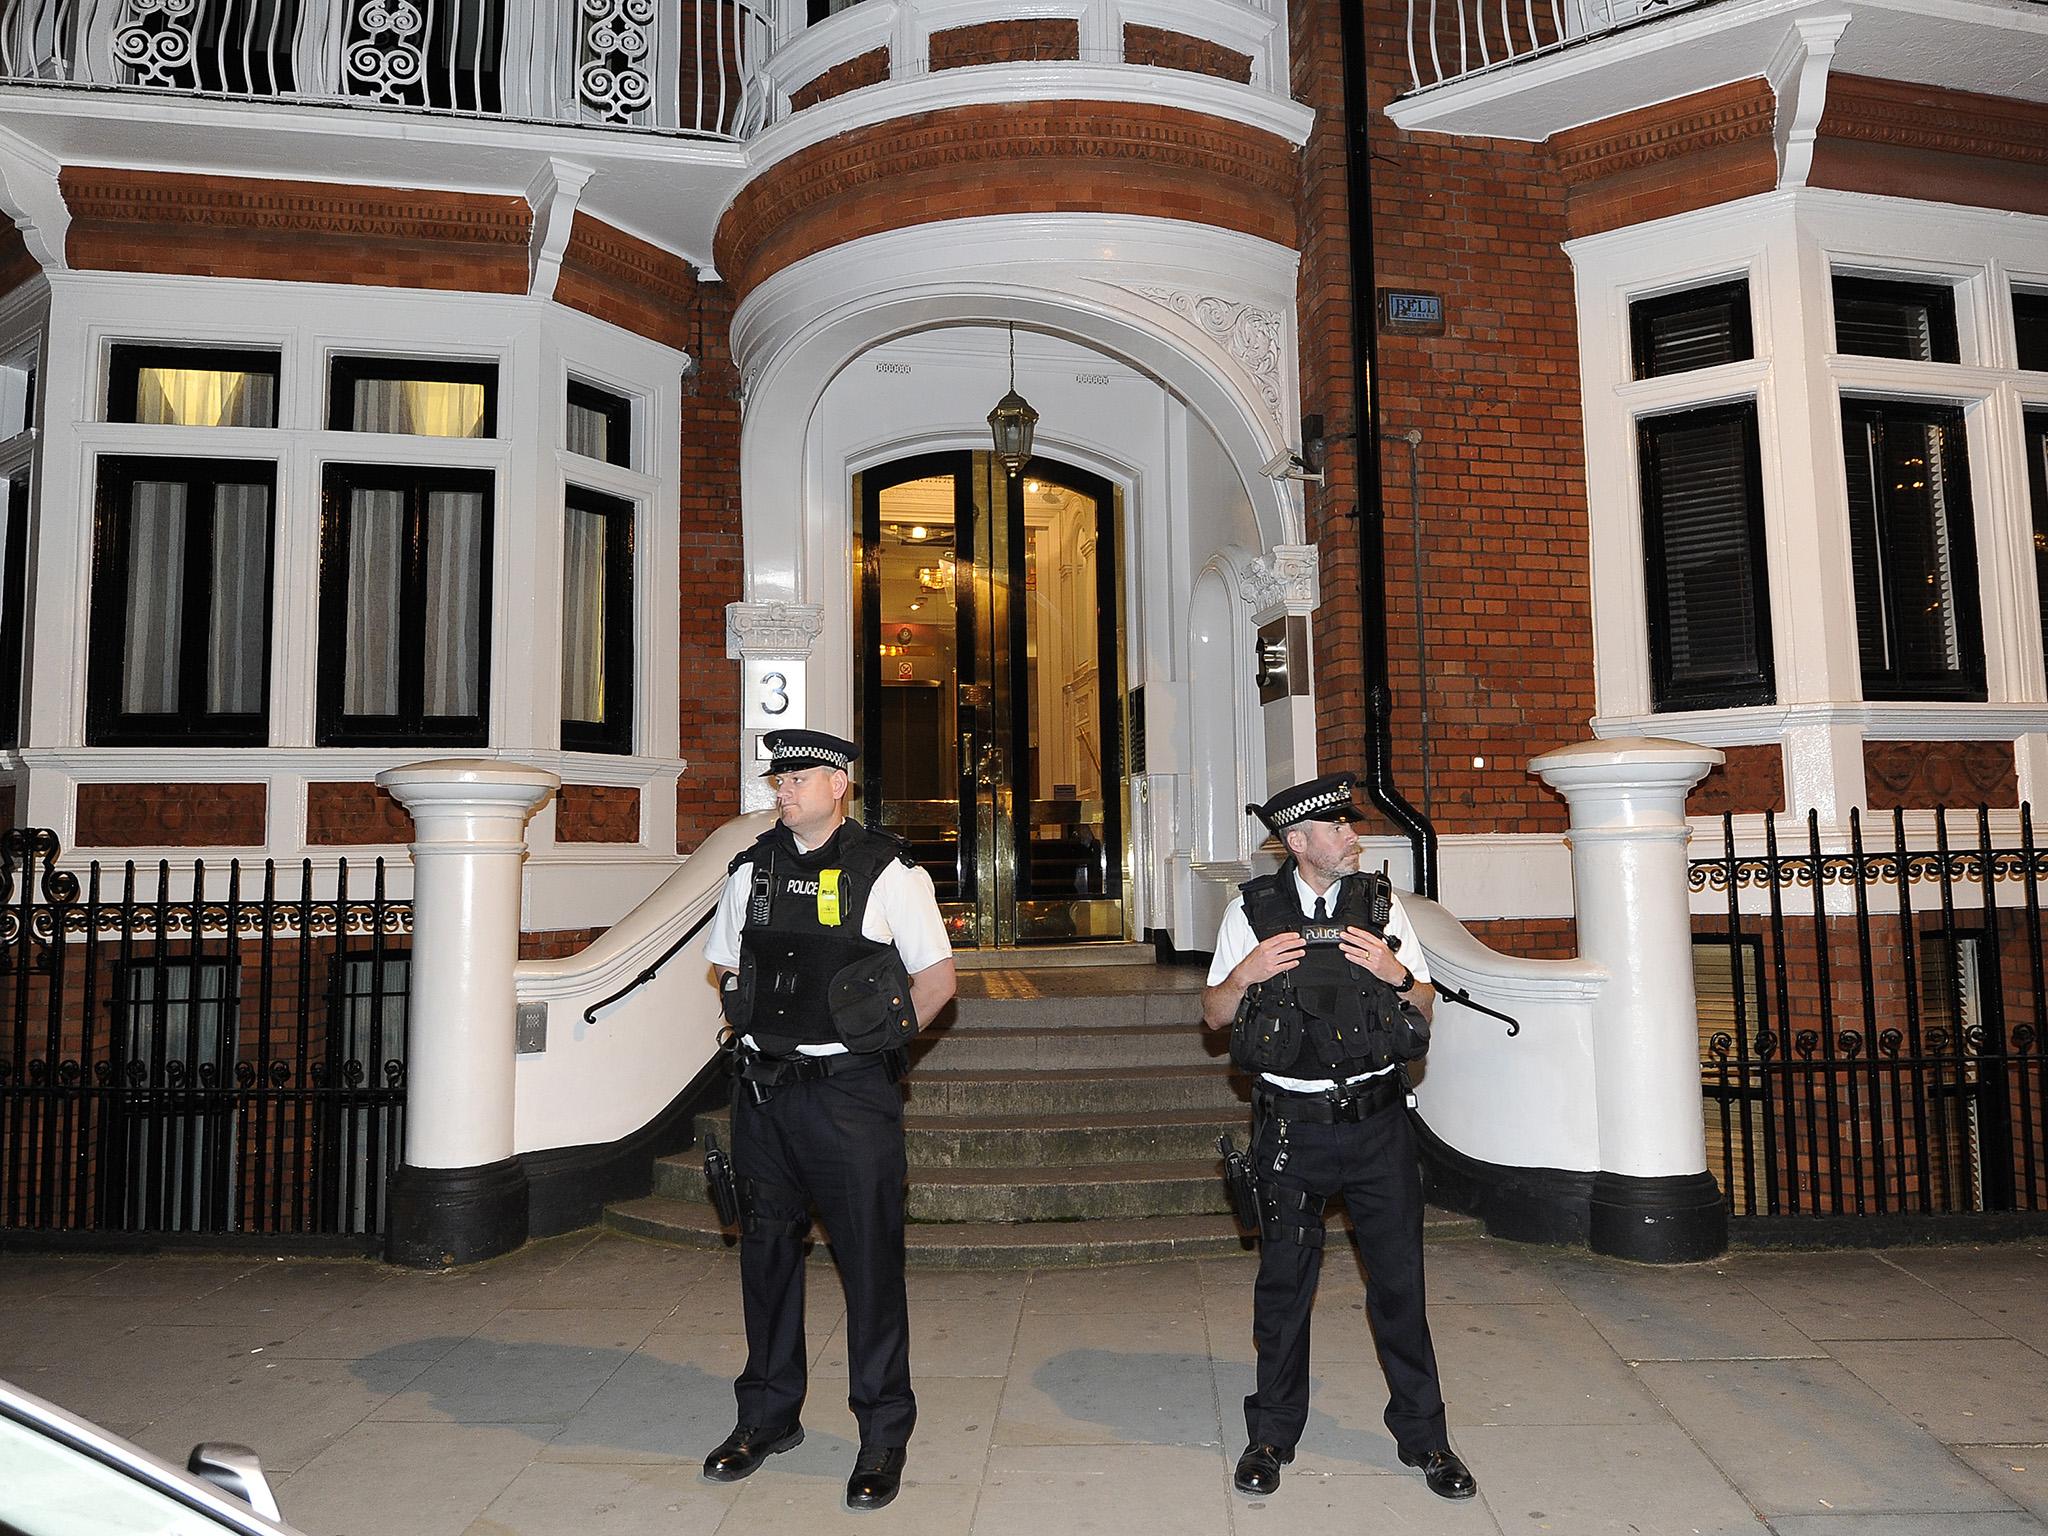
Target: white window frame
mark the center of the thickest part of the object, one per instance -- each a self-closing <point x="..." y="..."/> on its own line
<point x="1789" y="245"/>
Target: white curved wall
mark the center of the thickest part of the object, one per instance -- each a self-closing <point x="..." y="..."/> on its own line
<point x="601" y="1080"/>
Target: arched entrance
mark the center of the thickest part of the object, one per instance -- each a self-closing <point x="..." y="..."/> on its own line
<point x="990" y="690"/>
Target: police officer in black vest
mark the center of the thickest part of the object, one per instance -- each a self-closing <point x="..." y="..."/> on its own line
<point x="831" y="953"/>
<point x="1318" y="974"/>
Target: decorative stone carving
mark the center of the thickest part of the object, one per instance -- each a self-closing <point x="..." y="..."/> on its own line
<point x="1288" y="575"/>
<point x="1252" y="336"/>
<point x="754" y="631"/>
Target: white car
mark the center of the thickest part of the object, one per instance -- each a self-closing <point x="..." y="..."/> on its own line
<point x="61" y="1475"/>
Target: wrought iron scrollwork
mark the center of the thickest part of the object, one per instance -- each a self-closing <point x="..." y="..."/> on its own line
<point x="614" y="39"/>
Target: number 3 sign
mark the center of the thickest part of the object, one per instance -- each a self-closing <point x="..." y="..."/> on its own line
<point x="775" y="695"/>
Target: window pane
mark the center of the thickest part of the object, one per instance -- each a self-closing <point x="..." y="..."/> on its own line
<point x="1913" y="550"/>
<point x="419" y="407"/>
<point x="600" y="424"/>
<point x="1679" y="332"/>
<point x="13" y="601"/>
<point x="156" y="597"/>
<point x="193" y="387"/>
<point x="1915" y="321"/>
<point x="2030" y="325"/>
<point x="375" y="551"/>
<point x="583" y="582"/>
<point x="241" y="565"/>
<point x="1706" y="580"/>
<point x="454" y="630"/>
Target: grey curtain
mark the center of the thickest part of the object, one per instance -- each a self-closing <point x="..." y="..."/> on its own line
<point x="156" y="597"/>
<point x="375" y="550"/>
<point x="584" y="546"/>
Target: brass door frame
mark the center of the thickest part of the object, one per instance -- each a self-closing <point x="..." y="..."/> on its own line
<point x="991" y="681"/>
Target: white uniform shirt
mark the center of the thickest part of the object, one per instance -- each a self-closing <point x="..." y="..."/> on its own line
<point x="902" y="910"/>
<point x="1235" y="940"/>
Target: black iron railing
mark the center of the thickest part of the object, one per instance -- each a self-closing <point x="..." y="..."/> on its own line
<point x="1871" y="1028"/>
<point x="198" y="1049"/>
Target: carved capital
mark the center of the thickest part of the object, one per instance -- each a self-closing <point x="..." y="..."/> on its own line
<point x="1287" y="576"/>
<point x="1253" y="337"/>
<point x="756" y="631"/>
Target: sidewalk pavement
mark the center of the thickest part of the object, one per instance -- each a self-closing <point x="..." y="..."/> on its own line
<point x="575" y="1386"/>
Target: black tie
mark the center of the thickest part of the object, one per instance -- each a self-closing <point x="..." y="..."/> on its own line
<point x="1320" y="913"/>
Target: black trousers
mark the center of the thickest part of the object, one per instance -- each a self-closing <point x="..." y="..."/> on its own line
<point x="836" y="1142"/>
<point x="1371" y="1164"/>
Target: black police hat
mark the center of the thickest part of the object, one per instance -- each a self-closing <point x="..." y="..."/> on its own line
<point x="1327" y="798"/>
<point x="790" y="750"/>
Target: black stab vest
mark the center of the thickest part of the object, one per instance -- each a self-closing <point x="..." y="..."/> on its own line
<point x="790" y="956"/>
<point x="1326" y="1018"/>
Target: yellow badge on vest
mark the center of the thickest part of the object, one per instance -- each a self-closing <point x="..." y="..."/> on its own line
<point x="828" y="898"/>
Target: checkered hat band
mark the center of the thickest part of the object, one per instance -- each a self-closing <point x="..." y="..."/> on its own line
<point x="1321" y="802"/>
<point x="818" y="754"/>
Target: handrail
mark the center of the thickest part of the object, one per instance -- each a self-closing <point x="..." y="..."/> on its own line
<point x="590" y="1014"/>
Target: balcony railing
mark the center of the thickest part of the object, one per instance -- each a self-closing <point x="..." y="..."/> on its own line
<point x="1448" y="39"/>
<point x="682" y="65"/>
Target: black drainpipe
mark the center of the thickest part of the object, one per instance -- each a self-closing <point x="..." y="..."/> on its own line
<point x="1371" y="515"/>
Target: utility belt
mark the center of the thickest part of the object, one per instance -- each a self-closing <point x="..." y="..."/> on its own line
<point x="1343" y="1104"/>
<point x="762" y="1075"/>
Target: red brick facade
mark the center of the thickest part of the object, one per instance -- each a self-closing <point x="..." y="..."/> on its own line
<point x="626" y="282"/>
<point x="1005" y="42"/>
<point x="171" y="815"/>
<point x="319" y="232"/>
<point x="556" y="944"/>
<point x="1030" y="157"/>
<point x="711" y="575"/>
<point x="1751" y="781"/>
<point x="1161" y="49"/>
<point x="1893" y="139"/>
<point x="597" y="813"/>
<point x="1920" y="775"/>
<point x="870" y="68"/>
<point x="16" y="265"/>
<point x="1668" y="159"/>
<point x="1504" y="602"/>
<point x="343" y="814"/>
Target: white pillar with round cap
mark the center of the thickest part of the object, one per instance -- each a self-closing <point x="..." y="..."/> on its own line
<point x="460" y="1195"/>
<point x="1653" y="1198"/>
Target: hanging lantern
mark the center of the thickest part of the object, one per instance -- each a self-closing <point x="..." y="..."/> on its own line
<point x="1013" y="420"/>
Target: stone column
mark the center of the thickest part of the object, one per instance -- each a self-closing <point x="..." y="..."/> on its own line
<point x="1653" y="1198"/>
<point x="773" y="643"/>
<point x="461" y="1194"/>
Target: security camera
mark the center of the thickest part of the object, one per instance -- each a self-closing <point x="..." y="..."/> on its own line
<point x="1288" y="465"/>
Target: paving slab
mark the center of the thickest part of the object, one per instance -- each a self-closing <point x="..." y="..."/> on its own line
<point x="526" y="1366"/>
<point x="2020" y="1472"/>
<point x="1167" y="1285"/>
<point x="294" y="1409"/>
<point x="1806" y="1437"/>
<point x="1854" y="1296"/>
<point x="1327" y="1504"/>
<point x="1532" y="1365"/>
<point x="1907" y="1525"/>
<point x="1035" y="1490"/>
<point x="1962" y="1391"/>
<point x="670" y="1401"/>
<point x="409" y="1479"/>
<point x="1102" y="1380"/>
<point x="618" y="1271"/>
<point x="1693" y="1312"/>
<point x="2006" y="1286"/>
<point x="1639" y="1479"/>
<point x="557" y="1498"/>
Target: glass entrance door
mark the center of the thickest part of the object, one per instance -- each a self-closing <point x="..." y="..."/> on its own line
<point x="991" y="691"/>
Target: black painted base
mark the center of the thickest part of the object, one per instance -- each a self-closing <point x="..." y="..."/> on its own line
<point x="569" y="1187"/>
<point x="1672" y="1220"/>
<point x="441" y="1217"/>
<point x="1525" y="1205"/>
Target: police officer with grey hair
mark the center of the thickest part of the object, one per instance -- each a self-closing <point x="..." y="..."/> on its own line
<point x="1319" y="978"/>
<point x="831" y="953"/>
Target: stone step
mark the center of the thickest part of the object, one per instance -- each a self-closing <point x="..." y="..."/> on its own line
<point x="936" y="1141"/>
<point x="939" y="1090"/>
<point x="1001" y="1245"/>
<point x="1072" y="1047"/>
<point x="1080" y="1192"/>
<point x="1054" y="1011"/>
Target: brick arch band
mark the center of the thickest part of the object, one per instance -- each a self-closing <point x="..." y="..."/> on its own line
<point x="1038" y="157"/>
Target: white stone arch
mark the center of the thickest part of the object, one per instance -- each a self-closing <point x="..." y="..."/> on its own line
<point x="1147" y="292"/>
<point x="1226" y="769"/>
